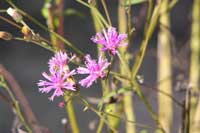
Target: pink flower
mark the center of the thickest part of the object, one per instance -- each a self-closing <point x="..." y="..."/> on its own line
<point x="59" y="62"/>
<point x="59" y="78"/>
<point x="94" y="69"/>
<point x="57" y="82"/>
<point x="110" y="39"/>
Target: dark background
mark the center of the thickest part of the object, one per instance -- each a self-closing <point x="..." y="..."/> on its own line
<point x="26" y="61"/>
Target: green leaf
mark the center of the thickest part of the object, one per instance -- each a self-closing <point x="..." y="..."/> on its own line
<point x="133" y="2"/>
<point x="113" y="93"/>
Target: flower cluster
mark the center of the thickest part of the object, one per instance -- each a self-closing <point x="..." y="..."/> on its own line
<point x="60" y="77"/>
<point x="110" y="40"/>
<point x="94" y="69"/>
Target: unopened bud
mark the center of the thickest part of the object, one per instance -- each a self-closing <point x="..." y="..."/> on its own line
<point x="14" y="14"/>
<point x="5" y="35"/>
<point x="27" y="32"/>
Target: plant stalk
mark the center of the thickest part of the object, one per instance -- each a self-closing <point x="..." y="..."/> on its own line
<point x="124" y="26"/>
<point x="194" y="69"/>
<point x="165" y="113"/>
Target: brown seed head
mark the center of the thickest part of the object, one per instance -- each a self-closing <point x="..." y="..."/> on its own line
<point x="5" y="35"/>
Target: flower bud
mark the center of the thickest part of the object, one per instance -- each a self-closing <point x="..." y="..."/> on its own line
<point x="14" y="14"/>
<point x="27" y="32"/>
<point x="5" y="35"/>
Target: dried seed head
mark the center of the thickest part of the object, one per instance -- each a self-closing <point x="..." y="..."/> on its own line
<point x="14" y="14"/>
<point x="5" y="35"/>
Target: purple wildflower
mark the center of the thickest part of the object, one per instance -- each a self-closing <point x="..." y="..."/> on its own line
<point x="94" y="69"/>
<point x="110" y="39"/>
<point x="59" y="78"/>
<point x="59" y="62"/>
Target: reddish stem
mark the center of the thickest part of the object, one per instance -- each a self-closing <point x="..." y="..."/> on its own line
<point x="29" y="115"/>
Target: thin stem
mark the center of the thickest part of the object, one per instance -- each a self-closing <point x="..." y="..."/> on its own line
<point x="124" y="20"/>
<point x="150" y="30"/>
<point x="45" y="28"/>
<point x="60" y="29"/>
<point x="122" y="77"/>
<point x="96" y="12"/>
<point x="194" y="68"/>
<point x="172" y="4"/>
<point x="124" y="63"/>
<point x="42" y="44"/>
<point x="72" y="116"/>
<point x="186" y="113"/>
<point x="147" y="104"/>
<point x="149" y="13"/>
<point x="17" y="107"/>
<point x="100" y="113"/>
<point x="98" y="25"/>
<point x="50" y="24"/>
<point x="101" y="124"/>
<point x="166" y="94"/>
<point x="3" y="11"/>
<point x="106" y="11"/>
<point x="28" y="113"/>
<point x="10" y="22"/>
<point x="129" y="22"/>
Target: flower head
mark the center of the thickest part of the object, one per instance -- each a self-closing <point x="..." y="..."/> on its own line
<point x="94" y="69"/>
<point x="59" y="62"/>
<point x="110" y="39"/>
<point x="59" y="78"/>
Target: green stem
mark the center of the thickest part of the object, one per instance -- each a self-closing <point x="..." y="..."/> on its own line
<point x="164" y="69"/>
<point x="147" y="104"/>
<point x="101" y="124"/>
<point x="45" y="28"/>
<point x="50" y="24"/>
<point x="98" y="14"/>
<point x="194" y="69"/>
<point x="100" y="113"/>
<point x="124" y="20"/>
<point x="17" y="107"/>
<point x="41" y="44"/>
<point x="121" y="77"/>
<point x="72" y="116"/>
<point x="10" y="22"/>
<point x="150" y="30"/>
<point x="106" y="11"/>
<point x="149" y="13"/>
<point x="3" y="11"/>
<point x="98" y="26"/>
